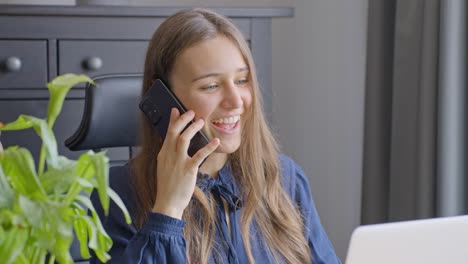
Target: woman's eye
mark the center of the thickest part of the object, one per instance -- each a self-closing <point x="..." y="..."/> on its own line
<point x="210" y="87"/>
<point x="242" y="81"/>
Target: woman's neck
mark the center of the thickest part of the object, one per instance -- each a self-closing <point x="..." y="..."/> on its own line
<point x="213" y="164"/>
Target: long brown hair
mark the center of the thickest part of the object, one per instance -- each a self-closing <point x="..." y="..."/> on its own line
<point x="255" y="164"/>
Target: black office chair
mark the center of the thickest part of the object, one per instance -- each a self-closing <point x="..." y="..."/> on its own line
<point x="111" y="114"/>
<point x="110" y="119"/>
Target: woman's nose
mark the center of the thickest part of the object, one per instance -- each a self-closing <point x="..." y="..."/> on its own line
<point x="232" y="96"/>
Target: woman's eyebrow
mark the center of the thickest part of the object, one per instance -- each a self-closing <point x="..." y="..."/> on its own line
<point x="214" y="74"/>
<point x="243" y="69"/>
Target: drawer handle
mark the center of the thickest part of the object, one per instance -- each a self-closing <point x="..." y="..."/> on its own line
<point x="12" y="64"/>
<point x="93" y="63"/>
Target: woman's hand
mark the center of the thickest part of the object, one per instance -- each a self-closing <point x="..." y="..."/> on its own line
<point x="177" y="171"/>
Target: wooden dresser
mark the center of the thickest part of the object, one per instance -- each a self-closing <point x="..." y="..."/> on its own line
<point x="38" y="43"/>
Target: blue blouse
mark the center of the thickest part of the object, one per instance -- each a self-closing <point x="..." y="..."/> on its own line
<point x="161" y="239"/>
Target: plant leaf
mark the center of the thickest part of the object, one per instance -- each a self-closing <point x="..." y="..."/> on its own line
<point x="19" y="124"/>
<point x="40" y="126"/>
<point x="62" y="162"/>
<point x="81" y="232"/>
<point x="58" y="180"/>
<point x="42" y="221"/>
<point x="58" y="89"/>
<point x="6" y="193"/>
<point x="61" y="249"/>
<point x="87" y="202"/>
<point x="11" y="217"/>
<point x="1" y="146"/>
<point x="84" y="169"/>
<point x="40" y="210"/>
<point x="92" y="230"/>
<point x="64" y="233"/>
<point x="101" y="253"/>
<point x="115" y="197"/>
<point x="51" y="226"/>
<point x="12" y="243"/>
<point x="101" y="242"/>
<point x="101" y="167"/>
<point x="18" y="164"/>
<point x="97" y="164"/>
<point x="21" y="259"/>
<point x="87" y="185"/>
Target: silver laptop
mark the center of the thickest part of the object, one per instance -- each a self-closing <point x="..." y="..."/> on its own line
<point x="431" y="241"/>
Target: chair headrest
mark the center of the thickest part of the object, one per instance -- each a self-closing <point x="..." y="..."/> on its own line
<point x="111" y="115"/>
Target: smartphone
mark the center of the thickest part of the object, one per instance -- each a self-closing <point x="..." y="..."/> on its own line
<point x="157" y="103"/>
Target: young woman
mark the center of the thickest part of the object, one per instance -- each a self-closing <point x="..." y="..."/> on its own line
<point x="246" y="203"/>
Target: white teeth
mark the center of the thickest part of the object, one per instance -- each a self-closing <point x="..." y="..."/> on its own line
<point x="227" y="120"/>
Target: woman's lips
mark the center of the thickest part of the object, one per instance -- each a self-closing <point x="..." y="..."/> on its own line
<point x="230" y="119"/>
<point x="228" y="128"/>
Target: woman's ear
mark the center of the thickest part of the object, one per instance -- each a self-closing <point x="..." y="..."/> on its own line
<point x="153" y="78"/>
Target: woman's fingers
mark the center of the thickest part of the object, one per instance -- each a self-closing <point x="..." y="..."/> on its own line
<point x="203" y="153"/>
<point x="184" y="139"/>
<point x="172" y="119"/>
<point x="177" y="123"/>
<point x="179" y="139"/>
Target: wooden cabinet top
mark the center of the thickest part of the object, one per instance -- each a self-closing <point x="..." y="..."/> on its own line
<point x="122" y="11"/>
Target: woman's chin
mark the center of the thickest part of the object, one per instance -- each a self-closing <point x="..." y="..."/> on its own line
<point x="227" y="148"/>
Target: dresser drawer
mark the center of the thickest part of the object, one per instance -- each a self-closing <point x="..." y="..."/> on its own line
<point x="23" y="64"/>
<point x="101" y="57"/>
<point x="67" y="123"/>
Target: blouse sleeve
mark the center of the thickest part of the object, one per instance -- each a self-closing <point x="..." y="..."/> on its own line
<point x="160" y="240"/>
<point x="321" y="248"/>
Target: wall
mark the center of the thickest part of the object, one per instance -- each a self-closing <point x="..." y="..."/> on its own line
<point x="318" y="91"/>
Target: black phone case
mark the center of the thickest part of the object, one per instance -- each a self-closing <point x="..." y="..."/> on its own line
<point x="157" y="103"/>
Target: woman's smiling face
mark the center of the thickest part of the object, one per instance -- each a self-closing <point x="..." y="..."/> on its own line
<point x="212" y="78"/>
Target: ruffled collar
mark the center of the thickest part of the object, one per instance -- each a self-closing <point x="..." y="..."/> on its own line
<point x="224" y="186"/>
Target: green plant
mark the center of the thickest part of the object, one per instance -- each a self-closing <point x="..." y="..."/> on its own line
<point x="39" y="210"/>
